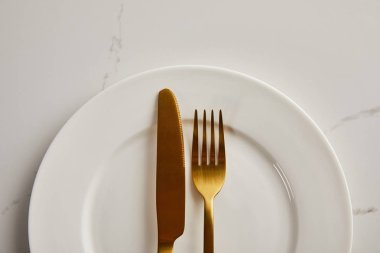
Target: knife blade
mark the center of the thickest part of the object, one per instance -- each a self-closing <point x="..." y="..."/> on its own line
<point x="170" y="174"/>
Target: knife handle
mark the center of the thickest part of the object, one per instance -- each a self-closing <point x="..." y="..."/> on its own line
<point x="208" y="234"/>
<point x="165" y="248"/>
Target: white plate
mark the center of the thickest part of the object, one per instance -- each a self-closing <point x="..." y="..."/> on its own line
<point x="284" y="192"/>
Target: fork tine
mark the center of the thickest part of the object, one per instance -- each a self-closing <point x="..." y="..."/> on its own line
<point x="204" y="142"/>
<point x="194" y="153"/>
<point x="221" y="153"/>
<point x="212" y="148"/>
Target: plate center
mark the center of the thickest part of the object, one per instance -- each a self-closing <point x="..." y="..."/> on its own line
<point x="255" y="207"/>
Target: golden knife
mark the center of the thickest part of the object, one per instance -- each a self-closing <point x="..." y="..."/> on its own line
<point x="170" y="175"/>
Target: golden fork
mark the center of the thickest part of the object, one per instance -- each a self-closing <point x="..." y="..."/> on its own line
<point x="208" y="177"/>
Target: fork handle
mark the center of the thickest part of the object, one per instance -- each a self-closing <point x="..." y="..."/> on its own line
<point x="208" y="235"/>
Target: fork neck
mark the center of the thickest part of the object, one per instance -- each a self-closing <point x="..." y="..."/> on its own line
<point x="208" y="234"/>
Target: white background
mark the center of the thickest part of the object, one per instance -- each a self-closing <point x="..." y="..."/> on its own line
<point x="55" y="55"/>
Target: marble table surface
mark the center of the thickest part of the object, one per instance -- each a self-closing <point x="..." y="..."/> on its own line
<point x="56" y="55"/>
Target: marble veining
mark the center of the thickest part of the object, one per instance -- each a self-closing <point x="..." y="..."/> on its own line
<point x="115" y="48"/>
<point x="105" y="77"/>
<point x="117" y="40"/>
<point x="5" y="210"/>
<point x="364" y="211"/>
<point x="13" y="204"/>
<point x="355" y="116"/>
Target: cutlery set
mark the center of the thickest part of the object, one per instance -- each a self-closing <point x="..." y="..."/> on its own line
<point x="208" y="172"/>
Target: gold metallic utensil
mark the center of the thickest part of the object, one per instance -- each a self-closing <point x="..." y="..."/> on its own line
<point x="208" y="177"/>
<point x="170" y="177"/>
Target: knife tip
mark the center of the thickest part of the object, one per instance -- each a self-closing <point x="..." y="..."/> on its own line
<point x="165" y="91"/>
